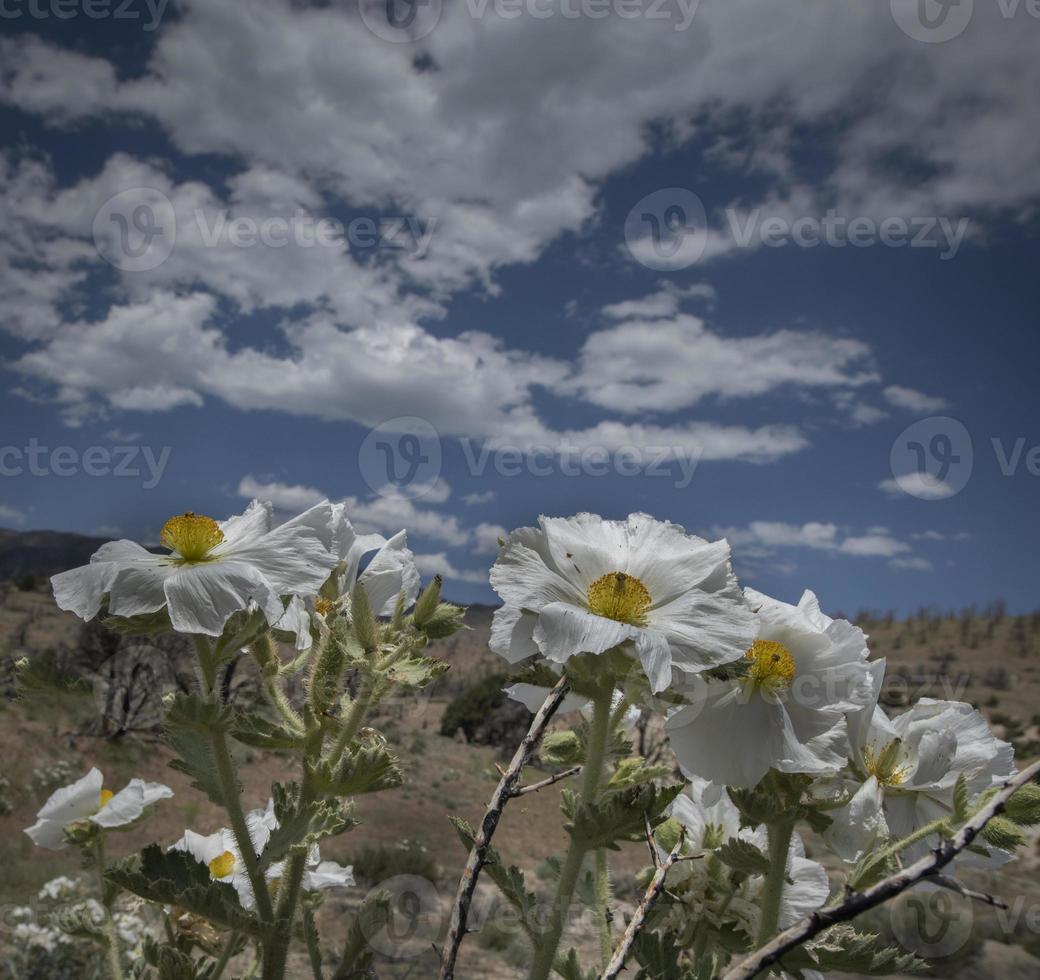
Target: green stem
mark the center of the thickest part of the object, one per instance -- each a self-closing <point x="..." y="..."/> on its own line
<point x="310" y="934"/>
<point x="225" y="957"/>
<point x="779" y="847"/>
<point x="350" y="724"/>
<point x="115" y="961"/>
<point x="592" y="777"/>
<point x="606" y="944"/>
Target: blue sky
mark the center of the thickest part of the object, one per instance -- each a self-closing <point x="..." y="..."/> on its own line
<point x="544" y="236"/>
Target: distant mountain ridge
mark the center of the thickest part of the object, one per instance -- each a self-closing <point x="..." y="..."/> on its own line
<point x="43" y="553"/>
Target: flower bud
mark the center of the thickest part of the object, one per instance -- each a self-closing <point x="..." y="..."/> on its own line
<point x="426" y="605"/>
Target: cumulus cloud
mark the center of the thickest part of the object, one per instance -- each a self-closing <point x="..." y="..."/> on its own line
<point x="913" y="400"/>
<point x="438" y="563"/>
<point x="923" y="486"/>
<point x="763" y="538"/>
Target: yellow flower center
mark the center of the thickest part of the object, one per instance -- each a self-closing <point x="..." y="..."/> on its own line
<point x="105" y="796"/>
<point x="885" y="765"/>
<point x="323" y="606"/>
<point x="192" y="536"/>
<point x="772" y="666"/>
<point x="620" y="597"/>
<point x="221" y="867"/>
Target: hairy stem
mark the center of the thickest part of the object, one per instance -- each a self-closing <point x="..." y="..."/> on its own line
<point x="592" y="777"/>
<point x="225" y="957"/>
<point x="606" y="947"/>
<point x="310" y="934"/>
<point x="772" y="894"/>
<point x="115" y="959"/>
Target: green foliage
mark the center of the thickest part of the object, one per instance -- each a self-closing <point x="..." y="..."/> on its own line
<point x="301" y="822"/>
<point x="254" y="729"/>
<point x="190" y="726"/>
<point x="841" y="948"/>
<point x="382" y="861"/>
<point x="1024" y="807"/>
<point x="358" y="955"/>
<point x="364" y="769"/>
<point x="618" y="816"/>
<point x="563" y="748"/>
<point x="743" y="856"/>
<point x="569" y="967"/>
<point x="147" y="624"/>
<point x="470" y="709"/>
<point x="176" y="878"/>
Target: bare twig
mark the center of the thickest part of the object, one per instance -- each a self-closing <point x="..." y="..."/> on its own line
<point x="505" y="790"/>
<point x="953" y="885"/>
<point x="653" y="892"/>
<point x="857" y="902"/>
<point x="655" y="858"/>
<point x="554" y="778"/>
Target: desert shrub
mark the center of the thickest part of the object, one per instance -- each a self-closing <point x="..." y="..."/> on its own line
<point x="382" y="861"/>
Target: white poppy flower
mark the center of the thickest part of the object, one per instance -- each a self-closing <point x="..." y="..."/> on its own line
<point x="787" y="711"/>
<point x="214" y="569"/>
<point x="708" y="814"/>
<point x="221" y="855"/>
<point x="318" y="875"/>
<point x="909" y="766"/>
<point x="390" y="571"/>
<point x="586" y="585"/>
<point x="87" y="799"/>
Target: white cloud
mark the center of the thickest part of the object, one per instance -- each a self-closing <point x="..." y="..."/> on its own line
<point x="912" y="564"/>
<point x="284" y="496"/>
<point x="11" y="514"/>
<point x="439" y="564"/>
<point x="763" y="538"/>
<point x="487" y="536"/>
<point x="913" y="400"/>
<point x="675" y="361"/>
<point x="478" y="497"/>
<point x="923" y="486"/>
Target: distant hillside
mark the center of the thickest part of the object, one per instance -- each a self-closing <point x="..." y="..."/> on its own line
<point x="43" y="553"/>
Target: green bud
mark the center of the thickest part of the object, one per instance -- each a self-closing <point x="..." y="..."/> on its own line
<point x="668" y="833"/>
<point x="426" y="605"/>
<point x="327" y="672"/>
<point x="445" y="621"/>
<point x="81" y="832"/>
<point x="562" y="748"/>
<point x="366" y="629"/>
<point x="1024" y="807"/>
<point x="263" y="653"/>
<point x="1003" y="833"/>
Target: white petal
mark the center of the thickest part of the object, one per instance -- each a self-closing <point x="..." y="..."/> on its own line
<point x="524" y="580"/>
<point x="859" y="825"/>
<point x="75" y="802"/>
<point x="563" y="631"/>
<point x="725" y="737"/>
<point x="391" y="571"/>
<point x="129" y="803"/>
<point x="584" y="547"/>
<point x="48" y="833"/>
<point x="201" y="598"/>
<point x="806" y="892"/>
<point x="328" y="874"/>
<point x="82" y="589"/>
<point x="531" y="696"/>
<point x="512" y="634"/>
<point x="138" y="588"/>
<point x="251" y="525"/>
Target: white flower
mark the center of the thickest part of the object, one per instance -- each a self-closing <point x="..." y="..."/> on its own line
<point x="708" y="814"/>
<point x="221" y="855"/>
<point x="214" y="569"/>
<point x="585" y="585"/>
<point x="86" y="799"/>
<point x="909" y="766"/>
<point x="318" y="875"/>
<point x="390" y="571"/>
<point x="787" y="711"/>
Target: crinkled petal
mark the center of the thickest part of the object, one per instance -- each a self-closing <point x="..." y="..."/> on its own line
<point x="532" y="697"/>
<point x="859" y="825"/>
<point x="390" y="572"/>
<point x="76" y="801"/>
<point x="563" y="631"/>
<point x="139" y="588"/>
<point x="328" y="874"/>
<point x="201" y="598"/>
<point x="512" y="634"/>
<point x="129" y="803"/>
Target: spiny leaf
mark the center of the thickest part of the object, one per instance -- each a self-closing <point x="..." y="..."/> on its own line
<point x="252" y="728"/>
<point x="364" y="769"/>
<point x="176" y="878"/>
<point x="620" y="816"/>
<point x="190" y="726"/>
<point x="843" y="949"/>
<point x="741" y="855"/>
<point x="371" y="918"/>
<point x="635" y="772"/>
<point x="301" y="823"/>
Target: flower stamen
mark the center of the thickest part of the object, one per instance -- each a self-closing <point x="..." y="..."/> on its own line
<point x="105" y="796"/>
<point x="621" y="597"/>
<point x="885" y="766"/>
<point x="222" y="866"/>
<point x="772" y="666"/>
<point x="192" y="536"/>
